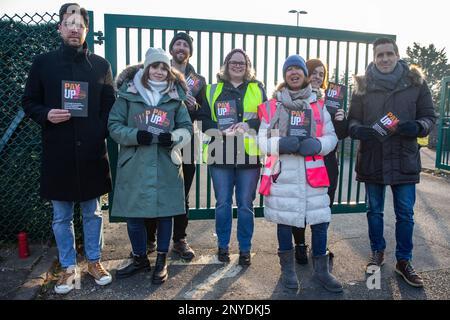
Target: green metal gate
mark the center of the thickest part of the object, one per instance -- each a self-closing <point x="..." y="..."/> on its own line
<point x="346" y="53"/>
<point x="443" y="146"/>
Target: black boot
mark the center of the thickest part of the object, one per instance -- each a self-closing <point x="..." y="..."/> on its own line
<point x="140" y="263"/>
<point x="301" y="254"/>
<point x="160" y="273"/>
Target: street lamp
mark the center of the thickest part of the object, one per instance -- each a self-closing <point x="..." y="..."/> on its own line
<point x="298" y="14"/>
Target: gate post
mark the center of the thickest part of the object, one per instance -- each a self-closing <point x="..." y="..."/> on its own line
<point x="443" y="144"/>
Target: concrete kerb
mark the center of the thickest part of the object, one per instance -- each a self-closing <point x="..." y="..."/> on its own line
<point x="30" y="289"/>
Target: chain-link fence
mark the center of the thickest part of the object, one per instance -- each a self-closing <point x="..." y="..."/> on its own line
<point x="21" y="208"/>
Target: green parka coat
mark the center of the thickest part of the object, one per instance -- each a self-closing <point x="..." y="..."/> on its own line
<point x="148" y="183"/>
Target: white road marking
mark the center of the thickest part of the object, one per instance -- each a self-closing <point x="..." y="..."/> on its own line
<point x="229" y="270"/>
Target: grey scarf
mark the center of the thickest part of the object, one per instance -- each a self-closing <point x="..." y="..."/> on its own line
<point x="288" y="100"/>
<point x="387" y="81"/>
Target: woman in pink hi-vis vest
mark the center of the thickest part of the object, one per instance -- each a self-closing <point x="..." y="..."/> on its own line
<point x="318" y="75"/>
<point x="296" y="134"/>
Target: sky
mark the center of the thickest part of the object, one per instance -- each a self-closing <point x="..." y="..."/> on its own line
<point x="411" y="20"/>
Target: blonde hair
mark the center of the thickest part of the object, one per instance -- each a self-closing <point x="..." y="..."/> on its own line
<point x="224" y="75"/>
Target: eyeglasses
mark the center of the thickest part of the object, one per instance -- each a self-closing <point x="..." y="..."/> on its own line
<point x="73" y="25"/>
<point x="237" y="63"/>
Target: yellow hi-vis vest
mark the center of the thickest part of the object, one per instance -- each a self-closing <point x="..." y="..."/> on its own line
<point x="252" y="99"/>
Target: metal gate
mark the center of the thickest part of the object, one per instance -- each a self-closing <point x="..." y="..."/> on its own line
<point x="346" y="53"/>
<point x="443" y="146"/>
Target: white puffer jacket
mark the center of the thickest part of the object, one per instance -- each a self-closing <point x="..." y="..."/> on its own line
<point x="292" y="201"/>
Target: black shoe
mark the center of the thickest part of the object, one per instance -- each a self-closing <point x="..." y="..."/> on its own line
<point x="183" y="249"/>
<point x="140" y="263"/>
<point x="223" y="255"/>
<point x="301" y="254"/>
<point x="151" y="247"/>
<point x="331" y="258"/>
<point x="245" y="259"/>
<point x="160" y="273"/>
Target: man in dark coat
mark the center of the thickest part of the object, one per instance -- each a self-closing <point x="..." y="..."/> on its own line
<point x="181" y="49"/>
<point x="391" y="106"/>
<point x="75" y="165"/>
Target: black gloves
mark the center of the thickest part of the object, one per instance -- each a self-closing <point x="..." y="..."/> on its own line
<point x="362" y="133"/>
<point x="410" y="128"/>
<point x="288" y="145"/>
<point x="298" y="145"/>
<point x="144" y="137"/>
<point x="165" y="139"/>
<point x="310" y="147"/>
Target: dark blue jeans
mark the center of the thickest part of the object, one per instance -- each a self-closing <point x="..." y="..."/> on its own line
<point x="318" y="238"/>
<point x="137" y="233"/>
<point x="404" y="199"/>
<point x="224" y="182"/>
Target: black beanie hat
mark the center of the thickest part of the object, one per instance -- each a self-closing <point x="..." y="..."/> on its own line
<point x="183" y="36"/>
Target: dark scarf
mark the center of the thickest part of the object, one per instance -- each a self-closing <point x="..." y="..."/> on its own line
<point x="387" y="81"/>
<point x="76" y="54"/>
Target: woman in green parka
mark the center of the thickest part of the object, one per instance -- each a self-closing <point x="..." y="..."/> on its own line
<point x="150" y="122"/>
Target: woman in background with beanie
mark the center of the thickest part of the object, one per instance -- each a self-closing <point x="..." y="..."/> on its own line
<point x="232" y="154"/>
<point x="318" y="76"/>
<point x="299" y="196"/>
<point x="148" y="181"/>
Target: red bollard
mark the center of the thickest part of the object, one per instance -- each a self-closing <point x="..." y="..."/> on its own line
<point x="24" y="252"/>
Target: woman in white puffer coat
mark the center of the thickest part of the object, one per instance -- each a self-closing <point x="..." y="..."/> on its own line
<point x="299" y="194"/>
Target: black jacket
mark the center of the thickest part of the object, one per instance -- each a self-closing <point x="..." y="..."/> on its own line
<point x="193" y="113"/>
<point x="74" y="165"/>
<point x="229" y="92"/>
<point x="201" y="93"/>
<point x="397" y="159"/>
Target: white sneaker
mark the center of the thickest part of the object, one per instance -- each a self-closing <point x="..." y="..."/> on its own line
<point x="66" y="282"/>
<point x="98" y="272"/>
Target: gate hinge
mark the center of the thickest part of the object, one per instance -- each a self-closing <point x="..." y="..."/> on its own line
<point x="99" y="36"/>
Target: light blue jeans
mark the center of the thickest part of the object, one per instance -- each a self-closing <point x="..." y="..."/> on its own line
<point x="224" y="181"/>
<point x="65" y="235"/>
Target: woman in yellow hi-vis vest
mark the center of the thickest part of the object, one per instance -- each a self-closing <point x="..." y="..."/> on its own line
<point x="229" y="117"/>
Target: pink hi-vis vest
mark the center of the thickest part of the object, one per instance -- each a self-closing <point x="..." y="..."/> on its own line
<point x="316" y="172"/>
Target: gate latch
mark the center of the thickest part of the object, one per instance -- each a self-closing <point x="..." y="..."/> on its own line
<point x="99" y="36"/>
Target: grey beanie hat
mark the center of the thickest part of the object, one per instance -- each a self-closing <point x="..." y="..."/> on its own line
<point x="156" y="55"/>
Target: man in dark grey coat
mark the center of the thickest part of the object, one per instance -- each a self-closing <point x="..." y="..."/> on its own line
<point x="75" y="165"/>
<point x="391" y="106"/>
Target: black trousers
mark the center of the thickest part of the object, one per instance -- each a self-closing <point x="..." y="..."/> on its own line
<point x="331" y="164"/>
<point x="180" y="222"/>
